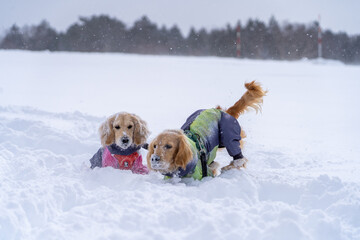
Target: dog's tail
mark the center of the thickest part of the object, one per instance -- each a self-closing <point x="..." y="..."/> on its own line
<point x="252" y="98"/>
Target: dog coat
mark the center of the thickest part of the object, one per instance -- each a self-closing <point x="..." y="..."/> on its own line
<point x="113" y="156"/>
<point x="216" y="129"/>
<point x="207" y="130"/>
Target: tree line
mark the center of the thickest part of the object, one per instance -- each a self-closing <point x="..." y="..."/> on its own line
<point x="259" y="40"/>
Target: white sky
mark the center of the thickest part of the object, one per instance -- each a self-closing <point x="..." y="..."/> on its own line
<point x="336" y="15"/>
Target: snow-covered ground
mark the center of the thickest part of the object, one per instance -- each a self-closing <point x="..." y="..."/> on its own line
<point x="302" y="180"/>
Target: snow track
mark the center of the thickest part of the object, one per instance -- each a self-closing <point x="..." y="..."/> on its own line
<point x="296" y="186"/>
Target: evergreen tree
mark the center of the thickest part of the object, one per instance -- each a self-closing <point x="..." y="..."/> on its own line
<point x="197" y="43"/>
<point x="14" y="39"/>
<point x="42" y="37"/>
<point x="273" y="40"/>
<point x="143" y="36"/>
<point x="99" y="34"/>
<point x="176" y="42"/>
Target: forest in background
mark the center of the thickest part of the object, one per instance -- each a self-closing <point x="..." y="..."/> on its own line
<point x="259" y="40"/>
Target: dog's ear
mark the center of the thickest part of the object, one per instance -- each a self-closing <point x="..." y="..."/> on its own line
<point x="106" y="132"/>
<point x="141" y="131"/>
<point x="184" y="154"/>
<point x="150" y="152"/>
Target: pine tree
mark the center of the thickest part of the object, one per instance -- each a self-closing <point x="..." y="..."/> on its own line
<point x="14" y="39"/>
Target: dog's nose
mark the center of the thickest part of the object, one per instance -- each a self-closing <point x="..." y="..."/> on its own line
<point x="155" y="158"/>
<point x="125" y="140"/>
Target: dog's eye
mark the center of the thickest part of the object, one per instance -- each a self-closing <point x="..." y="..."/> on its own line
<point x="130" y="126"/>
<point x="117" y="127"/>
<point x="167" y="146"/>
<point x="154" y="146"/>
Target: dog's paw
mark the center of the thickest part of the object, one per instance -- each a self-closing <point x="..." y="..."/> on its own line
<point x="215" y="168"/>
<point x="238" y="163"/>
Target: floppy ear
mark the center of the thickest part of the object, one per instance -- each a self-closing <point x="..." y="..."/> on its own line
<point x="150" y="152"/>
<point x="141" y="131"/>
<point x="106" y="132"/>
<point x="184" y="154"/>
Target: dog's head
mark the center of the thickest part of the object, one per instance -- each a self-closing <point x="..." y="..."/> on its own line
<point x="169" y="151"/>
<point x="123" y="129"/>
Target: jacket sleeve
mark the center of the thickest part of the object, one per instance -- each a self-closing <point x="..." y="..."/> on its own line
<point x="96" y="160"/>
<point x="230" y="135"/>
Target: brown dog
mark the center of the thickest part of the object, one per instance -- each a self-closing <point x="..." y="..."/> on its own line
<point x="123" y="129"/>
<point x="122" y="135"/>
<point x="190" y="152"/>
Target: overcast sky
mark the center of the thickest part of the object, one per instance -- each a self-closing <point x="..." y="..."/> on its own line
<point x="336" y="15"/>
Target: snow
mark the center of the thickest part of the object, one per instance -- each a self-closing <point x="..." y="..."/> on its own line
<point x="302" y="180"/>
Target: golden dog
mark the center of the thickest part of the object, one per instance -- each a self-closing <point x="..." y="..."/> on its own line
<point x="123" y="129"/>
<point x="122" y="136"/>
<point x="190" y="152"/>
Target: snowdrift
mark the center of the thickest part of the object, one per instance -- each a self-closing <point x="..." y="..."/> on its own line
<point x="302" y="179"/>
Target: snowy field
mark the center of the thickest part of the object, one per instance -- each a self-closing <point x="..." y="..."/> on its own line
<point x="302" y="180"/>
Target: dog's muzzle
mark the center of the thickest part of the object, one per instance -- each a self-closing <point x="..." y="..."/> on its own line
<point x="125" y="142"/>
<point x="156" y="163"/>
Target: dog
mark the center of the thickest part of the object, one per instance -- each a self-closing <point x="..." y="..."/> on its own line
<point x="122" y="135"/>
<point x="190" y="152"/>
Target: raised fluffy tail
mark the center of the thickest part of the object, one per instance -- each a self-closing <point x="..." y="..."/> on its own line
<point x="252" y="98"/>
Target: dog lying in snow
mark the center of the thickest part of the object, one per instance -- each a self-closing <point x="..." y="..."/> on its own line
<point x="190" y="152"/>
<point x="122" y="135"/>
